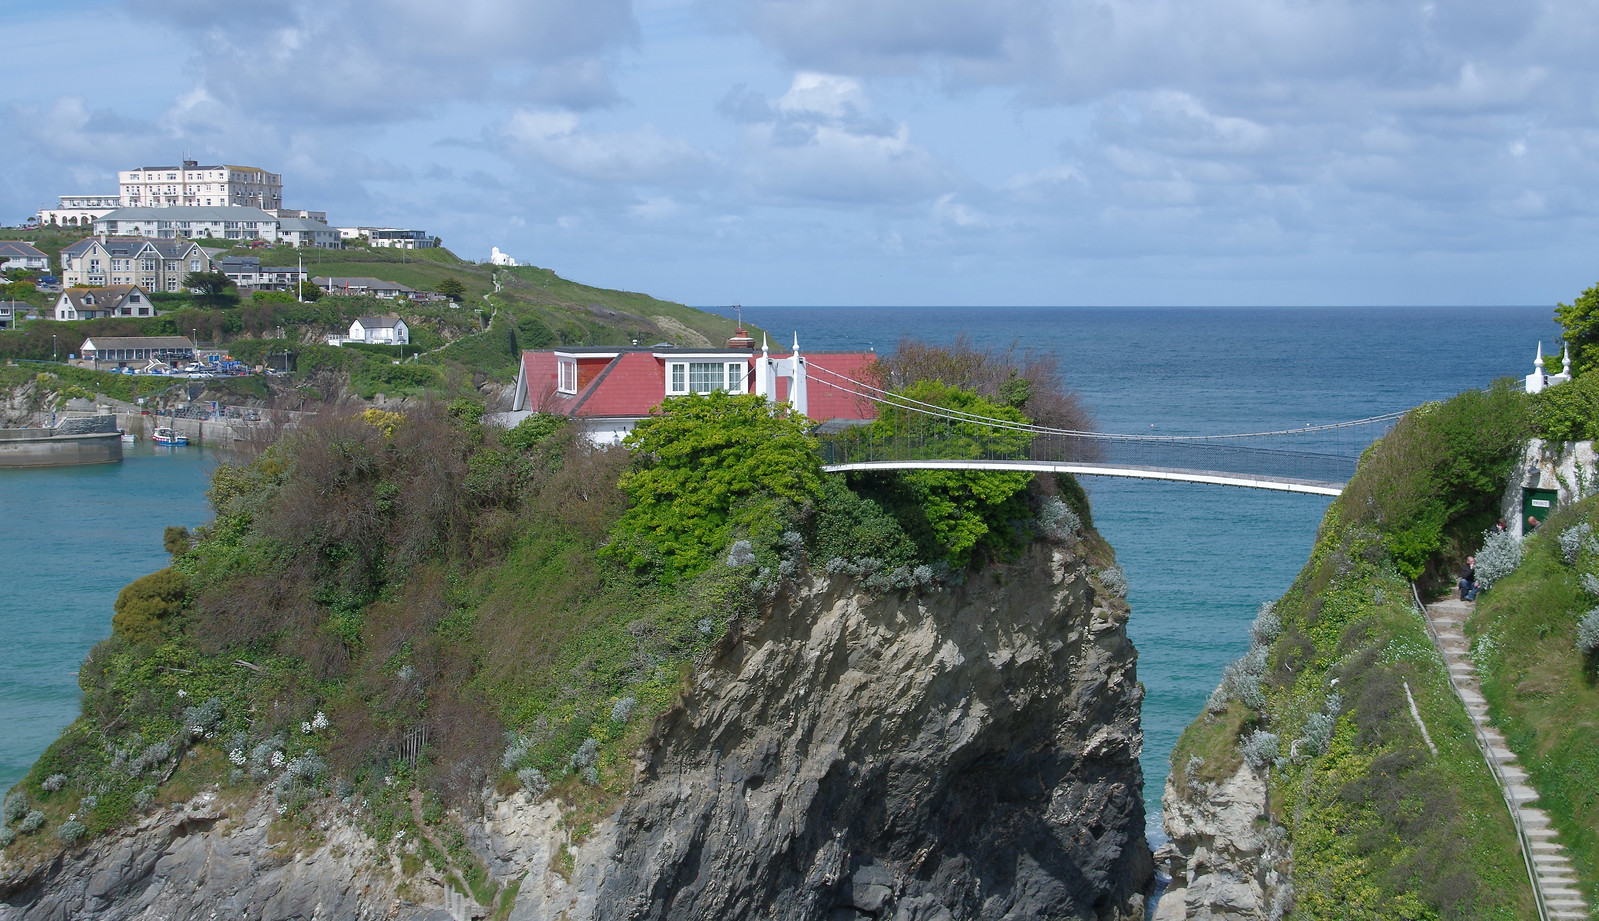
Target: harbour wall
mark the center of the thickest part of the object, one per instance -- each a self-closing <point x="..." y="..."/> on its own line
<point x="83" y="440"/>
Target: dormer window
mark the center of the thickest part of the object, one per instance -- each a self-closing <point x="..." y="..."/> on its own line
<point x="684" y="377"/>
<point x="566" y="375"/>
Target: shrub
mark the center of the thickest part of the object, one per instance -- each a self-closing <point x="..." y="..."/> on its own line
<point x="1499" y="557"/>
<point x="740" y="554"/>
<point x="53" y="783"/>
<point x="1114" y="581"/>
<point x="16" y="806"/>
<point x="1588" y="634"/>
<point x="31" y="822"/>
<point x="1057" y="522"/>
<point x="533" y="781"/>
<point x="705" y="467"/>
<point x="1267" y="625"/>
<point x="1568" y="412"/>
<point x="1573" y="540"/>
<point x="203" y="718"/>
<point x="71" y="831"/>
<point x="6" y="837"/>
<point x="622" y="710"/>
<point x="1260" y="748"/>
<point x="145" y="604"/>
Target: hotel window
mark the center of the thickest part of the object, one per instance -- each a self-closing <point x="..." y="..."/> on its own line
<point x="566" y="371"/>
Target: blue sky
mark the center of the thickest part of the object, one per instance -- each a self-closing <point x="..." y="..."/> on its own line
<point x="859" y="152"/>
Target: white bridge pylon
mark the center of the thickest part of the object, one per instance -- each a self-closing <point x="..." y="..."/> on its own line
<point x="1315" y="460"/>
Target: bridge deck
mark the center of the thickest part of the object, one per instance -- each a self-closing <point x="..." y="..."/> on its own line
<point x="1176" y="474"/>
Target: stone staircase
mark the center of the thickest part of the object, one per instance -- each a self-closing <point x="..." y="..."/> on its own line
<point x="1555" y="879"/>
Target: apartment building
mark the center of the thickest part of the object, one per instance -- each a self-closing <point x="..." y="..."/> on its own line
<point x="389" y="237"/>
<point x="230" y="223"/>
<point x="79" y="210"/>
<point x="154" y="265"/>
<point x="193" y="185"/>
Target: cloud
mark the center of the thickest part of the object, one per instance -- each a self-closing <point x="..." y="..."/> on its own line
<point x="820" y="142"/>
<point x="637" y="156"/>
<point x="344" y="60"/>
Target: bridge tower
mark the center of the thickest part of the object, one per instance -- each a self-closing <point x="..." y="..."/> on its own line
<point x="768" y="369"/>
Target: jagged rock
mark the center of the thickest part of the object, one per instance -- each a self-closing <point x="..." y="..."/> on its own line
<point x="970" y="754"/>
<point x="1223" y="862"/>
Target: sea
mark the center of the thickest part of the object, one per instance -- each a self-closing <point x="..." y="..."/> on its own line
<point x="1199" y="559"/>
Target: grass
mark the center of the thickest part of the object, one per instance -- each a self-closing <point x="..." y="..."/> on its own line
<point x="1541" y="692"/>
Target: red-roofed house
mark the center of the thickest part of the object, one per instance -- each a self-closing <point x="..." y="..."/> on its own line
<point x="610" y="389"/>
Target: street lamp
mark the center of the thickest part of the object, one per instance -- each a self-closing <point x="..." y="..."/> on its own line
<point x="53" y="347"/>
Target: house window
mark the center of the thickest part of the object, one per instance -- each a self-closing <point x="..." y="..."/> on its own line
<point x="566" y="375"/>
<point x="677" y="379"/>
<point x="735" y="377"/>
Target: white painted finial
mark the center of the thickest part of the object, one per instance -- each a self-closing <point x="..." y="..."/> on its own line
<point x="796" y="342"/>
<point x="1538" y="362"/>
<point x="1565" y="360"/>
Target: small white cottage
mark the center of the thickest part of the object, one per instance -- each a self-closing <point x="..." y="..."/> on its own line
<point x="380" y="331"/>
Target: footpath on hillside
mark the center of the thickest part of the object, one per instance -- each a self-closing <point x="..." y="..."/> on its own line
<point x="1551" y="866"/>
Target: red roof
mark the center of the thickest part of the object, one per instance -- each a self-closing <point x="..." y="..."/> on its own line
<point x="634" y="382"/>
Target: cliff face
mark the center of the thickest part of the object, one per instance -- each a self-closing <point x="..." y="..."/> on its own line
<point x="970" y="754"/>
<point x="1222" y="856"/>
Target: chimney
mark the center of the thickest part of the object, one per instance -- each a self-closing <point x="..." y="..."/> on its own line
<point x="741" y="340"/>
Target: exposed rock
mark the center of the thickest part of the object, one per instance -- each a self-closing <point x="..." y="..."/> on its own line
<point x="970" y="754"/>
<point x="1223" y="858"/>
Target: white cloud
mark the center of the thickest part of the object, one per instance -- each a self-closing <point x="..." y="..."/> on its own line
<point x="820" y="142"/>
<point x="638" y="156"/>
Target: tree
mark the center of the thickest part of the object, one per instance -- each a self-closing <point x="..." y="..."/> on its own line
<point x="707" y="468"/>
<point x="1580" y="319"/>
<point x="451" y="288"/>
<point x="952" y="514"/>
<point x="211" y="287"/>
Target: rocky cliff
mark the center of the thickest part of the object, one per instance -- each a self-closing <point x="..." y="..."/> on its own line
<point x="1223" y="856"/>
<point x="970" y="753"/>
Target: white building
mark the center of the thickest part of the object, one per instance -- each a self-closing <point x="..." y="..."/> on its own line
<point x="79" y="210"/>
<point x="109" y="301"/>
<point x="152" y="264"/>
<point x="193" y="185"/>
<point x="376" y="331"/>
<point x="498" y="258"/>
<point x="15" y="254"/>
<point x="217" y="223"/>
<point x="358" y="285"/>
<point x="388" y="237"/>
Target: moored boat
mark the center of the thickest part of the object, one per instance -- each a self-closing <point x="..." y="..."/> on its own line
<point x="127" y="435"/>
<point x="166" y="436"/>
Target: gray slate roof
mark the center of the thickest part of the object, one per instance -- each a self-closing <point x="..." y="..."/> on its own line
<point x="168" y="248"/>
<point x="203" y="213"/>
<point x="338" y="282"/>
<point x="103" y="343"/>
<point x="17" y="249"/>
<point x="378" y="322"/>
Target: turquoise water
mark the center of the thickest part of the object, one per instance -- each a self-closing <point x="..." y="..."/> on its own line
<point x="72" y="537"/>
<point x="1199" y="559"/>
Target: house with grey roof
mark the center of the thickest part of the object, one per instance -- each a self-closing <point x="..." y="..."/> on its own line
<point x="375" y="287"/>
<point x="108" y="301"/>
<point x="15" y="254"/>
<point x="376" y="331"/>
<point x="225" y="223"/>
<point x="153" y="264"/>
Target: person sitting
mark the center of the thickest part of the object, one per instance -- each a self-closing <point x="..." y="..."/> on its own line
<point x="1468" y="580"/>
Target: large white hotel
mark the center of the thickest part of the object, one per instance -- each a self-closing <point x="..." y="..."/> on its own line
<point x="188" y="185"/>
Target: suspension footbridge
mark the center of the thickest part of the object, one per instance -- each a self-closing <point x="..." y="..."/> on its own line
<point x="1315" y="459"/>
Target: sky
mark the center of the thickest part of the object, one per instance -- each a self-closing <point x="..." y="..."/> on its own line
<point x="869" y="152"/>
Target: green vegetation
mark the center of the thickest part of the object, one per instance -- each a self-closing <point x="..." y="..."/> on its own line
<point x="1580" y="319"/>
<point x="710" y="467"/>
<point x="1432" y="486"/>
<point x="1541" y="687"/>
<point x="1380" y="826"/>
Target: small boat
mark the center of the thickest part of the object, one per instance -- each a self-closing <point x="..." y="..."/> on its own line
<point x="166" y="436"/>
<point x="127" y="435"/>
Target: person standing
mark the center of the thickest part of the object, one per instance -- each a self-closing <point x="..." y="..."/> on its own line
<point x="1468" y="580"/>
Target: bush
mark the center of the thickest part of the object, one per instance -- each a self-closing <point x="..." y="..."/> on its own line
<point x="704" y="468"/>
<point x="1499" y="557"/>
<point x="16" y="806"/>
<point x="1267" y="626"/>
<point x="1057" y="522"/>
<point x="54" y="783"/>
<point x="6" y="837"/>
<point x="1588" y="634"/>
<point x="1569" y="411"/>
<point x="144" y="604"/>
<point x="31" y="822"/>
<point x="1260" y="748"/>
<point x="71" y="832"/>
<point x="1574" y="540"/>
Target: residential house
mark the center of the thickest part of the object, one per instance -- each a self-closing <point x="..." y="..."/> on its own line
<point x="379" y="331"/>
<point x="153" y="264"/>
<point x="15" y="254"/>
<point x="610" y="389"/>
<point x="107" y="301"/>
<point x="8" y="314"/>
<point x="308" y="232"/>
<point x="376" y="287"/>
<point x="136" y="351"/>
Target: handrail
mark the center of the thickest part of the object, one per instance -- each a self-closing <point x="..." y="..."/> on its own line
<point x="1493" y="763"/>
